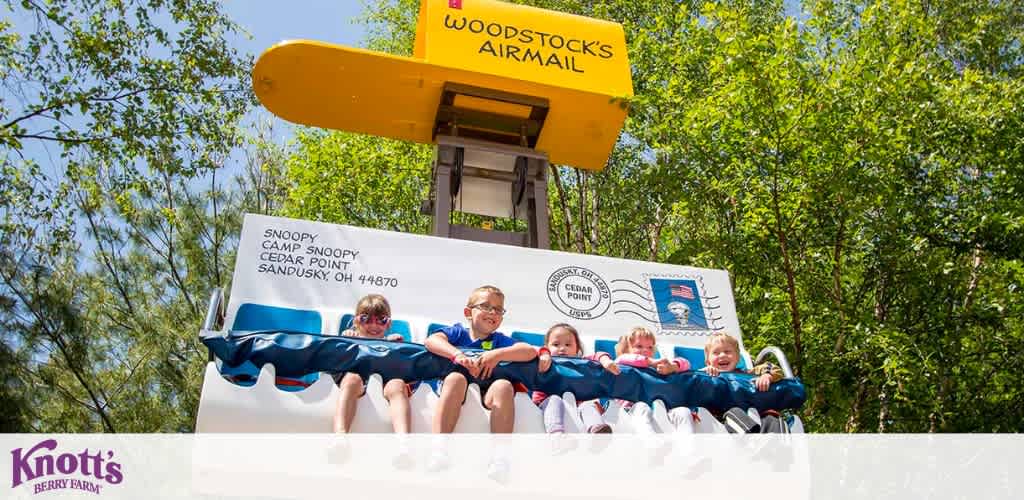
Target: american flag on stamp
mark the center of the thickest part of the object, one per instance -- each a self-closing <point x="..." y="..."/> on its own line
<point x="681" y="291"/>
<point x="455" y="4"/>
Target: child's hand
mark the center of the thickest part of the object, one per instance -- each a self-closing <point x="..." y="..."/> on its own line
<point x="608" y="364"/>
<point x="543" y="362"/>
<point x="762" y="382"/>
<point x="468" y="363"/>
<point x="486" y="363"/>
<point x="395" y="337"/>
<point x="664" y="367"/>
<point x="711" y="370"/>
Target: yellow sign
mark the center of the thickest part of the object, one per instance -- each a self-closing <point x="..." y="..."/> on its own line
<point x="578" y="64"/>
<point x="525" y="43"/>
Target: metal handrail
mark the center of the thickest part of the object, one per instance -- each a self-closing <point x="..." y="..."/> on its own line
<point x="213" y="312"/>
<point x="780" y="356"/>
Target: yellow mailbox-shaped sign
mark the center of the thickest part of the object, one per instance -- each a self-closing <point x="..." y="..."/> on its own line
<point x="575" y="69"/>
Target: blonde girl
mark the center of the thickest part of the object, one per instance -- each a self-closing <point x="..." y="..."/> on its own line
<point x="372" y="321"/>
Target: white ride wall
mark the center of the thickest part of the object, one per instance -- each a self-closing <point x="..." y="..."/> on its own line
<point x="327" y="268"/>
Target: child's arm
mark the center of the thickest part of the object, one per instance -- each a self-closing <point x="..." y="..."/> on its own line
<point x="670" y="366"/>
<point x="606" y="362"/>
<point x="634" y="360"/>
<point x="395" y="337"/>
<point x="767" y="374"/>
<point x="543" y="359"/>
<point x="437" y="343"/>
<point x="520" y="351"/>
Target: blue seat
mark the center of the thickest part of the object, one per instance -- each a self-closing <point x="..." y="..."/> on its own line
<point x="264" y="317"/>
<point x="435" y="327"/>
<point x="530" y="338"/>
<point x="692" y="354"/>
<point x="695" y="356"/>
<point x="401" y="327"/>
<point x="397" y="326"/>
<point x="605" y="346"/>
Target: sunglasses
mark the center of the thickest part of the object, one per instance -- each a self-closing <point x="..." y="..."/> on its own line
<point x="366" y="319"/>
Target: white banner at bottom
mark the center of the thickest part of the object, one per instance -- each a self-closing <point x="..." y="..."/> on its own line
<point x="511" y="466"/>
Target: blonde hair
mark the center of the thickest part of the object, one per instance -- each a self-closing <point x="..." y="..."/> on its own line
<point x="478" y="291"/>
<point x="724" y="338"/>
<point x="569" y="328"/>
<point x="636" y="333"/>
<point x="374" y="305"/>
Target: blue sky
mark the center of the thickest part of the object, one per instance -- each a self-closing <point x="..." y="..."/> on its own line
<point x="271" y="21"/>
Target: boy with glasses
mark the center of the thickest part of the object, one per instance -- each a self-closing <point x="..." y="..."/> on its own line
<point x="484" y="311"/>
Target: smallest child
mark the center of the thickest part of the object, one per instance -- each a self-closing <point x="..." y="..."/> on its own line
<point x="563" y="340"/>
<point x="721" y="355"/>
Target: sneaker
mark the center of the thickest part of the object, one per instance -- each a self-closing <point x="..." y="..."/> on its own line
<point x="738" y="422"/>
<point x="600" y="429"/>
<point x="437" y="462"/>
<point x="656" y="453"/>
<point x="339" y="451"/>
<point x="403" y="458"/>
<point x="696" y="469"/>
<point x="498" y="470"/>
<point x="562" y="443"/>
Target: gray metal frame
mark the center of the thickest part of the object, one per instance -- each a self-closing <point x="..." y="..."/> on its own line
<point x="787" y="371"/>
<point x="534" y="204"/>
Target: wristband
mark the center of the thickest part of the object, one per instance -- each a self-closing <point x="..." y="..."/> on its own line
<point x="542" y="351"/>
<point x="455" y="356"/>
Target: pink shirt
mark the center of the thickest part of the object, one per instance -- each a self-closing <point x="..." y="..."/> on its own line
<point x="641" y="361"/>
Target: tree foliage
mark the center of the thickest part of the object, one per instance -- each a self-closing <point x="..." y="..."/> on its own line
<point x="855" y="166"/>
<point x="114" y="121"/>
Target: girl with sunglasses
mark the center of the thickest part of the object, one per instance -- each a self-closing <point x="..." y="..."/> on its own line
<point x="371" y="321"/>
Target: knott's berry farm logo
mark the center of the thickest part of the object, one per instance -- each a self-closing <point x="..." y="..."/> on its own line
<point x="40" y="463"/>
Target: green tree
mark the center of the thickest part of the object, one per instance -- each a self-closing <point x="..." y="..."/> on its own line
<point x="112" y="239"/>
<point x="854" y="165"/>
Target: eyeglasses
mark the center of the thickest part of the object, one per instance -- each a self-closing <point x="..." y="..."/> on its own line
<point x="380" y="320"/>
<point x="487" y="308"/>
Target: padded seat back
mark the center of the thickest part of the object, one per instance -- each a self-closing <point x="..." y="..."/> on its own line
<point x="264" y="317"/>
<point x="534" y="339"/>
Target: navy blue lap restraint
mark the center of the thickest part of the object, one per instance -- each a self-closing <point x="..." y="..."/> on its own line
<point x="295" y="354"/>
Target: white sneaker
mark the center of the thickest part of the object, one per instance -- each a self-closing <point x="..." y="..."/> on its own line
<point x="438" y="461"/>
<point x="561" y="443"/>
<point x="498" y="470"/>
<point x="403" y="459"/>
<point x="339" y="451"/>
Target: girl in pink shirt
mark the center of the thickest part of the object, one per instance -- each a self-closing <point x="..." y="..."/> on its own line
<point x="637" y="349"/>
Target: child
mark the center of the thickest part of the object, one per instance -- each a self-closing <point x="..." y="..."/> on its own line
<point x="563" y="340"/>
<point x="637" y="349"/>
<point x="371" y="321"/>
<point x="721" y="355"/>
<point x="484" y="311"/>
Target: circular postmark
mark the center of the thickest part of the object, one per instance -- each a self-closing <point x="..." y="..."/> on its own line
<point x="578" y="292"/>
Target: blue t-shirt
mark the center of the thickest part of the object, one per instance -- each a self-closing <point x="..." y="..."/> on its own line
<point x="459" y="336"/>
